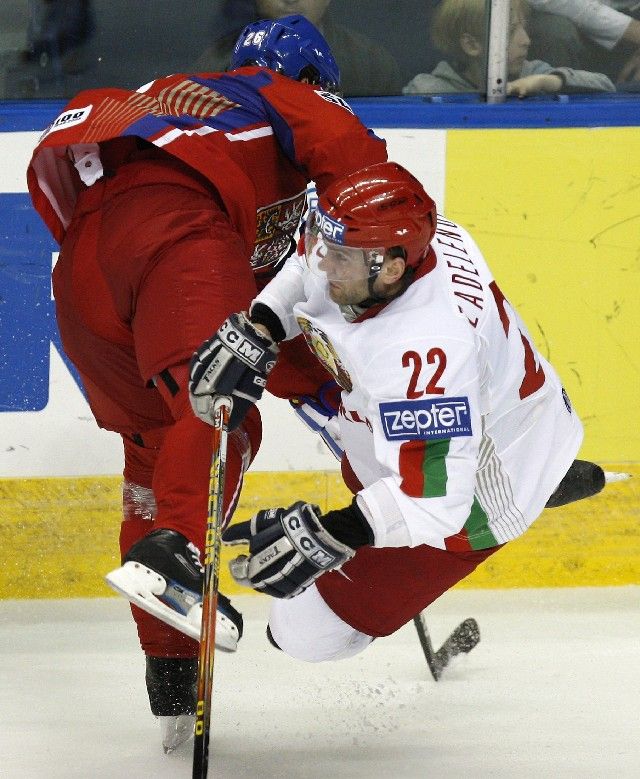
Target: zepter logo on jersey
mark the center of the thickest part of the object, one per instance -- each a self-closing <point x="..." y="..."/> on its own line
<point x="321" y="346"/>
<point x="276" y="226"/>
<point x="421" y="420"/>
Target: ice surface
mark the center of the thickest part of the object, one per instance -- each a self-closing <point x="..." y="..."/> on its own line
<point x="552" y="690"/>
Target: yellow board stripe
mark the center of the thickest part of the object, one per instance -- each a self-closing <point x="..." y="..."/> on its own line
<point x="59" y="536"/>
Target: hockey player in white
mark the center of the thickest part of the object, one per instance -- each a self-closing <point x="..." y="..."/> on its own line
<point x="456" y="431"/>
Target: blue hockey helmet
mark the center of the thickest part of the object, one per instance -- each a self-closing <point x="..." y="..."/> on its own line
<point x="292" y="46"/>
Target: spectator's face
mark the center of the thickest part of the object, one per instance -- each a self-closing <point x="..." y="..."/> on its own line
<point x="274" y="9"/>
<point x="519" y="43"/>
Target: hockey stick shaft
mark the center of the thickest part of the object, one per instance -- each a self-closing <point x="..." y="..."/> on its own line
<point x="427" y="647"/>
<point x="222" y="410"/>
<point x="465" y="636"/>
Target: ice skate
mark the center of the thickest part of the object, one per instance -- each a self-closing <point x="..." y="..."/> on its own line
<point x="162" y="574"/>
<point x="176" y="730"/>
<point x="172" y="687"/>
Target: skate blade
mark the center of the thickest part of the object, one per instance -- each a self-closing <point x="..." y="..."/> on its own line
<point x="143" y="587"/>
<point x="176" y="731"/>
<point x="612" y="476"/>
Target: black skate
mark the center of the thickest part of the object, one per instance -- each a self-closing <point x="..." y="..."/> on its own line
<point x="172" y="687"/>
<point x="162" y="574"/>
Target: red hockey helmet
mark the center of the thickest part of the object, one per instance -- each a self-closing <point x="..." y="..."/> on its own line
<point x="380" y="206"/>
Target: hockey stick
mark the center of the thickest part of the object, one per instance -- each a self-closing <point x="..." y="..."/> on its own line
<point x="462" y="639"/>
<point x="467" y="634"/>
<point x="222" y="409"/>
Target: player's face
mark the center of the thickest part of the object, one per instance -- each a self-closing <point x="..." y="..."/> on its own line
<point x="274" y="9"/>
<point x="345" y="269"/>
<point x="347" y="273"/>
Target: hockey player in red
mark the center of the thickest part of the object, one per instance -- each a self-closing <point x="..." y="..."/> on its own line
<point x="173" y="205"/>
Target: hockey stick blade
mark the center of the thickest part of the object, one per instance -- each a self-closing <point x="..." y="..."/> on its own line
<point x="461" y="640"/>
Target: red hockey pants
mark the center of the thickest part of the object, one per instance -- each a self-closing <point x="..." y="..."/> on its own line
<point x="149" y="268"/>
<point x="381" y="589"/>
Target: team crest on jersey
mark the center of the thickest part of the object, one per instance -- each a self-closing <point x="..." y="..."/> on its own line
<point x="335" y="99"/>
<point x="276" y="226"/>
<point x="421" y="420"/>
<point x="321" y="346"/>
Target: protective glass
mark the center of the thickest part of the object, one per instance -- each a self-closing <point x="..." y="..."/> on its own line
<point x="335" y="262"/>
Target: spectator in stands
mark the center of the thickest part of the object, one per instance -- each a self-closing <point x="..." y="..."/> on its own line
<point x="459" y="31"/>
<point x="57" y="31"/>
<point x="589" y="34"/>
<point x="366" y="67"/>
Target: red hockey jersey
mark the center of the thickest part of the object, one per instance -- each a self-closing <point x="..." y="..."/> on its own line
<point x="258" y="137"/>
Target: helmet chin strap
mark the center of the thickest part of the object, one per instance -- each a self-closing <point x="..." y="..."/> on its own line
<point x="351" y="312"/>
<point x="374" y="299"/>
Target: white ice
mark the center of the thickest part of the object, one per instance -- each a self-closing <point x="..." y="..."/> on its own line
<point x="552" y="690"/>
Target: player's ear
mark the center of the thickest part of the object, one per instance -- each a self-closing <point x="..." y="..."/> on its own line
<point x="393" y="269"/>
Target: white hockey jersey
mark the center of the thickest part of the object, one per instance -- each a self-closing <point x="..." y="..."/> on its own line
<point x="457" y="428"/>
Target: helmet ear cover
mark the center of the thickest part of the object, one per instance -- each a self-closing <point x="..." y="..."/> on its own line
<point x="311" y="75"/>
<point x="393" y="252"/>
<point x="397" y="251"/>
<point x="407" y="278"/>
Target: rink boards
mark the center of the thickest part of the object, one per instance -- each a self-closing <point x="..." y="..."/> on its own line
<point x="59" y="536"/>
<point x="554" y="211"/>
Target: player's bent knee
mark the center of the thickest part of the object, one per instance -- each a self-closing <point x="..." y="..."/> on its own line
<point x="305" y="628"/>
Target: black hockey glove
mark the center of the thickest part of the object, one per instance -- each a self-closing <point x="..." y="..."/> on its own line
<point x="234" y="362"/>
<point x="289" y="548"/>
